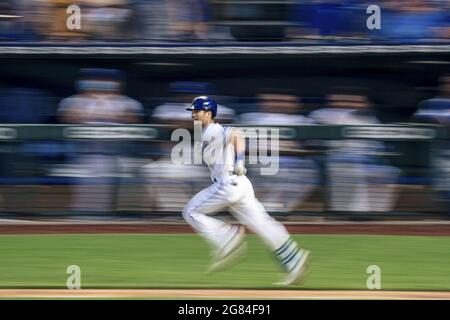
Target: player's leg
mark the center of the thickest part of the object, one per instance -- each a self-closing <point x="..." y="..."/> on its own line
<point x="252" y="213"/>
<point x="223" y="237"/>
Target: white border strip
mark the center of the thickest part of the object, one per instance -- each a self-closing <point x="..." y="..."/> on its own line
<point x="223" y="294"/>
<point x="181" y="50"/>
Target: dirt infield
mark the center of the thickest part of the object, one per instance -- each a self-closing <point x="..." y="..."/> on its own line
<point x="221" y="294"/>
<point x="436" y="229"/>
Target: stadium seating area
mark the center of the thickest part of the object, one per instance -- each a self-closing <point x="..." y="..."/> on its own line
<point x="216" y="20"/>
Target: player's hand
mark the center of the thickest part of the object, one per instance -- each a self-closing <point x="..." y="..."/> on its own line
<point x="239" y="168"/>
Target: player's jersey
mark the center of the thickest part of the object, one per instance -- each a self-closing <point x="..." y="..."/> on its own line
<point x="218" y="151"/>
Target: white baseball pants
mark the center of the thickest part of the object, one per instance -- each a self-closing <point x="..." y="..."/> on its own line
<point x="237" y="195"/>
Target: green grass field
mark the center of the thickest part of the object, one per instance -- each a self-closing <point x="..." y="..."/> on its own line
<point x="179" y="261"/>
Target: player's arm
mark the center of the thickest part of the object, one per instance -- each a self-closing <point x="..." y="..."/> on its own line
<point x="239" y="148"/>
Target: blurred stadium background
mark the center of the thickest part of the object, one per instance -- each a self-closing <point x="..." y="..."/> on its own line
<point x="86" y="118"/>
<point x="310" y="67"/>
<point x="224" y="20"/>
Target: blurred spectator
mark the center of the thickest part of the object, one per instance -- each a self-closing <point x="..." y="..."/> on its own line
<point x="326" y="18"/>
<point x="100" y="101"/>
<point x="8" y="20"/>
<point x="151" y="19"/>
<point x="333" y="19"/>
<point x="22" y="105"/>
<point x="359" y="179"/>
<point x="108" y="19"/>
<point x="100" y="19"/>
<point x="25" y="105"/>
<point x="198" y="20"/>
<point x="49" y="19"/>
<point x="16" y="21"/>
<point x="174" y="112"/>
<point x="276" y="106"/>
<point x="298" y="173"/>
<point x="437" y="111"/>
<point x="416" y="21"/>
<point x="188" y="19"/>
<point x="171" y="184"/>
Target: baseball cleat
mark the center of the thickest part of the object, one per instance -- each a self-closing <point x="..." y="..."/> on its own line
<point x="231" y="253"/>
<point x="297" y="275"/>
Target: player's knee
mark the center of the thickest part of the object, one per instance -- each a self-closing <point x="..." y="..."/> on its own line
<point x="185" y="213"/>
<point x="188" y="214"/>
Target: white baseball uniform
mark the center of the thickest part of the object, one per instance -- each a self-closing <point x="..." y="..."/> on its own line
<point x="235" y="193"/>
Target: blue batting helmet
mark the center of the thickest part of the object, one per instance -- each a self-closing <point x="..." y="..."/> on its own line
<point x="204" y="103"/>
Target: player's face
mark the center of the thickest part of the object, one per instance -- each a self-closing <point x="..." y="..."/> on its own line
<point x="199" y="115"/>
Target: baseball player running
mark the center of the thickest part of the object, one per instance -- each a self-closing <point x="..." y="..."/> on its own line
<point x="223" y="150"/>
